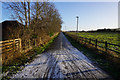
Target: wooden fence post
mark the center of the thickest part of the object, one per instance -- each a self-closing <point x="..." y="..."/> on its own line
<point x="81" y="40"/>
<point x="20" y="44"/>
<point x="14" y="45"/>
<point x="90" y="41"/>
<point x="85" y="41"/>
<point x="96" y="43"/>
<point x="105" y="46"/>
<point x="77" y="38"/>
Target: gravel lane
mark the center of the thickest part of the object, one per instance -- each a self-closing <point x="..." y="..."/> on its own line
<point x="61" y="60"/>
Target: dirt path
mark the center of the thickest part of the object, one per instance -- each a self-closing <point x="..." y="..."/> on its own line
<point x="61" y="60"/>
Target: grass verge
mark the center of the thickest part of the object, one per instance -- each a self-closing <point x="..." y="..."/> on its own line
<point x="20" y="62"/>
<point x="112" y="68"/>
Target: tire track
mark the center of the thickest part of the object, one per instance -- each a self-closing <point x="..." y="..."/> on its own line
<point x="61" y="60"/>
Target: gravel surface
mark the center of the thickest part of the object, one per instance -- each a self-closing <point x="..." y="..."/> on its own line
<point x="61" y="61"/>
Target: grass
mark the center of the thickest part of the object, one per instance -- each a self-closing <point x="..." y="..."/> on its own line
<point x="19" y="63"/>
<point x="111" y="37"/>
<point x="98" y="59"/>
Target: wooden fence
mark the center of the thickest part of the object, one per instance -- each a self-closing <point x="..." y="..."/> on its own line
<point x="19" y="45"/>
<point x="103" y="46"/>
<point x="10" y="45"/>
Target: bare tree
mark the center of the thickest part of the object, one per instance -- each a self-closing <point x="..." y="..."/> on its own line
<point x="42" y="17"/>
<point x="29" y="12"/>
<point x="26" y="17"/>
<point x="20" y="11"/>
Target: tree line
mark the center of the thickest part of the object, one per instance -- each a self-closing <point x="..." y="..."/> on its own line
<point x="41" y="20"/>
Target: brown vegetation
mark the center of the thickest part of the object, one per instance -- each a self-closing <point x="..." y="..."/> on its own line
<point x="41" y="21"/>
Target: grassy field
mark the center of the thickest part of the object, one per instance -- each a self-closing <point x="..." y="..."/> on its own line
<point x="110" y="37"/>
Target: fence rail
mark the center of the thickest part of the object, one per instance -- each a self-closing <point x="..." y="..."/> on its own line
<point x="10" y="45"/>
<point x="19" y="45"/>
<point x="104" y="45"/>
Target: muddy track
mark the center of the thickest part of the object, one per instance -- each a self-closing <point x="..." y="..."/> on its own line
<point x="61" y="61"/>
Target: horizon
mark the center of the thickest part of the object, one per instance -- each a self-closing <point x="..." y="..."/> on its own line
<point x="63" y="30"/>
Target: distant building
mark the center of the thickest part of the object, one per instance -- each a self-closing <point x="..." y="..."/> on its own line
<point x="11" y="29"/>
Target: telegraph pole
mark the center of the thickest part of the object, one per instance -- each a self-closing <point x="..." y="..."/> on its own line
<point x="77" y="24"/>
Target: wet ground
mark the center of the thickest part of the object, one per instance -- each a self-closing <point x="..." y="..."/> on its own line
<point x="61" y="60"/>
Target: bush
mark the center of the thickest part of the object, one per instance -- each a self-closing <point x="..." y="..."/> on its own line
<point x="51" y="34"/>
